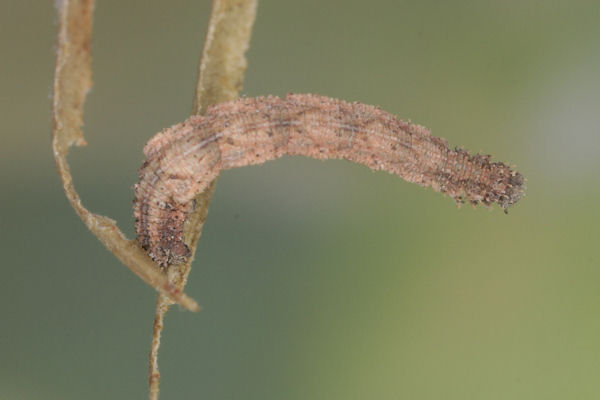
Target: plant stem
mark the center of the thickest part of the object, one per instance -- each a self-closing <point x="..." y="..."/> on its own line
<point x="220" y="76"/>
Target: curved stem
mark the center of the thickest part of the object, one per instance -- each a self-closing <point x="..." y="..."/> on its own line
<point x="72" y="81"/>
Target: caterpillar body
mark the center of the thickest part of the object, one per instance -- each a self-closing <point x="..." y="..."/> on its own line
<point x="182" y="160"/>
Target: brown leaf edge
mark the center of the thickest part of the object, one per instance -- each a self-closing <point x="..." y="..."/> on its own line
<point x="220" y="76"/>
<point x="72" y="81"/>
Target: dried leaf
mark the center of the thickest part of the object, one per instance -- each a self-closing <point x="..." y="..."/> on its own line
<point x="72" y="81"/>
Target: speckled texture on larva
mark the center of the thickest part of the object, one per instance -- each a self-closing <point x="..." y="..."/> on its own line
<point x="182" y="160"/>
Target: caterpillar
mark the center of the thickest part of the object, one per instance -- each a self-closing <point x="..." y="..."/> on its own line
<point x="182" y="160"/>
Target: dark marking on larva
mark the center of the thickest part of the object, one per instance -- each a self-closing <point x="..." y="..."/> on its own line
<point x="182" y="160"/>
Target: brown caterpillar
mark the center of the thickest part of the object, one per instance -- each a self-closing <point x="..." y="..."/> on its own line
<point x="182" y="160"/>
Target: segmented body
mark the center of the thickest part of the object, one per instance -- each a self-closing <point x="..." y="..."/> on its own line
<point x="182" y="160"/>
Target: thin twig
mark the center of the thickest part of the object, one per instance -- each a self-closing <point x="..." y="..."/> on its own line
<point x="162" y="306"/>
<point x="220" y="76"/>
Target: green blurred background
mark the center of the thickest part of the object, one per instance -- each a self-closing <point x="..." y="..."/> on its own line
<point x="319" y="280"/>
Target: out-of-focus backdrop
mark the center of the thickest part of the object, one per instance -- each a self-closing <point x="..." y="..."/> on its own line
<point x="319" y="280"/>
